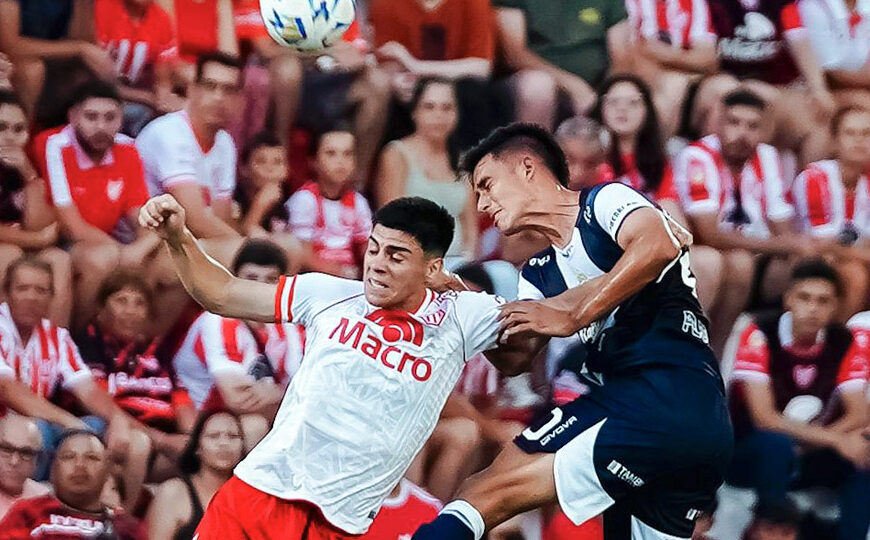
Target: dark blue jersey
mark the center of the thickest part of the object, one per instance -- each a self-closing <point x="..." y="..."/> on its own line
<point x="643" y="329"/>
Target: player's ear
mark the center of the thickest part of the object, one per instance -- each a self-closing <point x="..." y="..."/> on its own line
<point x="528" y="167"/>
<point x="434" y="266"/>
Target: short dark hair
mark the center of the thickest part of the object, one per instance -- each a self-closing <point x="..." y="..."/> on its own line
<point x="189" y="462"/>
<point x="816" y="269"/>
<point x="476" y="274"/>
<point x="27" y="261"/>
<point x="428" y="222"/>
<point x="263" y="139"/>
<point x="216" y="57"/>
<point x="262" y="253"/>
<point x="95" y="89"/>
<point x="338" y="127"/>
<point x="746" y="98"/>
<point x="842" y="113"/>
<point x="517" y="136"/>
<point x="425" y="83"/>
<point x="124" y="279"/>
<point x="8" y="97"/>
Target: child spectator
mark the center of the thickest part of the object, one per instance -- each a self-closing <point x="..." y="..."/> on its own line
<point x="263" y="190"/>
<point x="95" y="180"/>
<point x="26" y="220"/>
<point x="327" y="214"/>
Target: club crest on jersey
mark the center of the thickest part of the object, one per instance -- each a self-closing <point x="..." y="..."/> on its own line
<point x="398" y="326"/>
<point x="360" y="337"/>
<point x="114" y="188"/>
<point x="804" y="376"/>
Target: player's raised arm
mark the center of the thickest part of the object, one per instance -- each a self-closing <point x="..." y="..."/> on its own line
<point x="209" y="283"/>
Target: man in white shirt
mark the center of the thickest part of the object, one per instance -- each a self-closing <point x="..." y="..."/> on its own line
<point x="382" y="356"/>
<point x="840" y="34"/>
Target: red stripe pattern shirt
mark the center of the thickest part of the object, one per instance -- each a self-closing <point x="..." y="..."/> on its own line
<point x="679" y="23"/>
<point x="825" y="207"/>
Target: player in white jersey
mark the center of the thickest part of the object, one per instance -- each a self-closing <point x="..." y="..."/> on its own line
<point x="382" y="357"/>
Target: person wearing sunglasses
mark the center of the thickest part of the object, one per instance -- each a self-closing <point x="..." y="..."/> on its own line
<point x="20" y="446"/>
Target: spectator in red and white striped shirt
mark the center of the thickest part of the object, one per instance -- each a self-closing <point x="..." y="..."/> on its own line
<point x="43" y="357"/>
<point x="95" y="180"/>
<point x="675" y="48"/>
<point x="833" y="203"/>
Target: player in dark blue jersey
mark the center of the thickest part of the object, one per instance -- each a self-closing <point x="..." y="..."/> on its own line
<point x="648" y="446"/>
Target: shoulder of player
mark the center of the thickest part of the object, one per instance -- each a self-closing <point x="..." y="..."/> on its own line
<point x="860" y="321"/>
<point x="423" y="496"/>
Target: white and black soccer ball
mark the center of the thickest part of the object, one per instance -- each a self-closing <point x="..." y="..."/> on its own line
<point x="307" y="24"/>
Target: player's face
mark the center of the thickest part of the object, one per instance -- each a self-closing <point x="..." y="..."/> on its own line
<point x="13" y="127"/>
<point x="813" y="304"/>
<point x="336" y="158"/>
<point x="623" y="110"/>
<point x="125" y="314"/>
<point x="213" y="97"/>
<point x="19" y="448"/>
<point x="29" y="296"/>
<point x="268" y="164"/>
<point x="504" y="187"/>
<point x="396" y="269"/>
<point x="221" y="446"/>
<point x="853" y="138"/>
<point x="80" y="468"/>
<point x="584" y="160"/>
<point x="435" y="116"/>
<point x="741" y="132"/>
<point x="96" y="122"/>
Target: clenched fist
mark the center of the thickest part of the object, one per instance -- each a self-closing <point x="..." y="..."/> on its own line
<point x="163" y="215"/>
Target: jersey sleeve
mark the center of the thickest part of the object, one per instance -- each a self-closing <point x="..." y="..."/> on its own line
<point x="612" y="204"/>
<point x="223" y="345"/>
<point x="302" y="209"/>
<point x="73" y="369"/>
<point x="478" y="320"/>
<point x="753" y="355"/>
<point x="526" y="290"/>
<point x="813" y="202"/>
<point x="696" y="179"/>
<point x="363" y="226"/>
<point x="299" y="299"/>
<point x="855" y="368"/>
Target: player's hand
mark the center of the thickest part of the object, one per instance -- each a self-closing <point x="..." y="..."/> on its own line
<point x="164" y="216"/>
<point x="393" y="50"/>
<point x="854" y="447"/>
<point x="527" y="317"/>
<point x="447" y="281"/>
<point x="270" y="194"/>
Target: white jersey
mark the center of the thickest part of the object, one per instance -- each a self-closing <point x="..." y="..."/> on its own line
<point x="840" y="37"/>
<point x="368" y="394"/>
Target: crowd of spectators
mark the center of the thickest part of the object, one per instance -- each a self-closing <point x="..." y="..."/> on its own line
<point x="124" y="406"/>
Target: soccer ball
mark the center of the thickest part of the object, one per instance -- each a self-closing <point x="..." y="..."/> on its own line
<point x="307" y="24"/>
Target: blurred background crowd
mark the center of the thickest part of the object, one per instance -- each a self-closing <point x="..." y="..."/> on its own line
<point x="125" y="407"/>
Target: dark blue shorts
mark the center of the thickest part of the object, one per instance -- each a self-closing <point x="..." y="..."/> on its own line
<point x="654" y="445"/>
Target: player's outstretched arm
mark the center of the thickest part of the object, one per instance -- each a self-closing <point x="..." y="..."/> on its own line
<point x="648" y="247"/>
<point x="209" y="283"/>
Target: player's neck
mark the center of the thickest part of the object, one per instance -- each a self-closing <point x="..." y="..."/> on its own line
<point x="331" y="190"/>
<point x="430" y="145"/>
<point x="411" y="304"/>
<point x="204" y="133"/>
<point x="627" y="145"/>
<point x="24" y="332"/>
<point x="92" y="506"/>
<point x="208" y="481"/>
<point x="557" y="218"/>
<point x="850" y="173"/>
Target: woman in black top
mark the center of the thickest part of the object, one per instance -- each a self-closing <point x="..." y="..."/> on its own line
<point x="216" y="446"/>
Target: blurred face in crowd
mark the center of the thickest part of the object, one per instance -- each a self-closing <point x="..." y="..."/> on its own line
<point x="853" y="138"/>
<point x="435" y="115"/>
<point x="813" y="304"/>
<point x="765" y="530"/>
<point x="125" y="314"/>
<point x="80" y="470"/>
<point x="261" y="273"/>
<point x="213" y="96"/>
<point x="13" y="126"/>
<point x="394" y="269"/>
<point x="268" y="164"/>
<point x="507" y="187"/>
<point x="29" y="295"/>
<point x="336" y="159"/>
<point x="20" y="445"/>
<point x="623" y="110"/>
<point x="96" y="122"/>
<point x="741" y="132"/>
<point x="585" y="158"/>
<point x="221" y="445"/>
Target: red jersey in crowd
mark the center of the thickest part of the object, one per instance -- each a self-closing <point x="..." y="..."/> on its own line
<point x="197" y="24"/>
<point x="748" y="203"/>
<point x="632" y="177"/>
<point x="46" y="518"/>
<point x="335" y="228"/>
<point x="216" y="345"/>
<point x="824" y="205"/>
<point x="47" y="362"/>
<point x="679" y="23"/>
<point x="137" y="45"/>
<point x="401" y="515"/>
<point x="837" y="362"/>
<point x="102" y="192"/>
<point x="134" y="376"/>
<point x="752" y="38"/>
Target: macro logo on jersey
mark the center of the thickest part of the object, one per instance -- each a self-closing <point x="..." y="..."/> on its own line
<point x="398" y="326"/>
